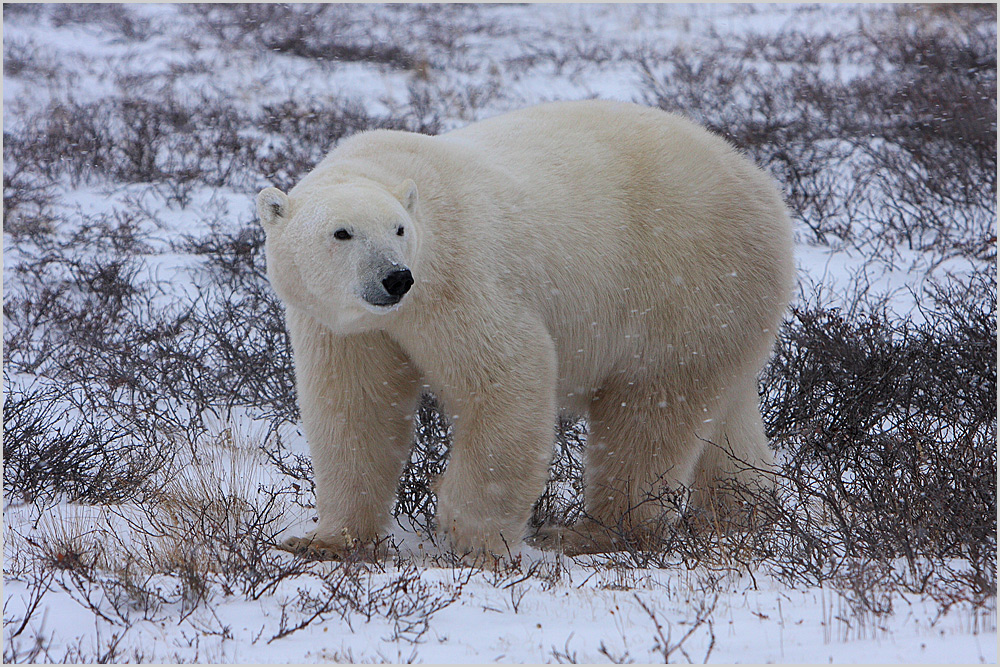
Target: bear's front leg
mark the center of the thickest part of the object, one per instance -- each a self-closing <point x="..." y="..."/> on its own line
<point x="357" y="394"/>
<point x="504" y="412"/>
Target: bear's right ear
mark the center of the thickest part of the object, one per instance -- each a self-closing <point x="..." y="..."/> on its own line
<point x="272" y="206"/>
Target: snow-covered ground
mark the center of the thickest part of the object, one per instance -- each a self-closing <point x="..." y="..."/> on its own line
<point x="579" y="615"/>
<point x="472" y="62"/>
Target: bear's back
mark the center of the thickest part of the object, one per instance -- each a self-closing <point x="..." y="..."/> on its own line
<point x="621" y="221"/>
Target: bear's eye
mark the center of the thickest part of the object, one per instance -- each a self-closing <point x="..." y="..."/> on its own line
<point x="342" y="235"/>
<point x="399" y="230"/>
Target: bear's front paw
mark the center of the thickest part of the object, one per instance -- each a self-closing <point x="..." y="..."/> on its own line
<point x="314" y="547"/>
<point x="479" y="543"/>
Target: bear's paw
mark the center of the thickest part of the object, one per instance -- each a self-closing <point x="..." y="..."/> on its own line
<point x="313" y="547"/>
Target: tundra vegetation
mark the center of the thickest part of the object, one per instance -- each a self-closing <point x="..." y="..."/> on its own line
<point x="151" y="449"/>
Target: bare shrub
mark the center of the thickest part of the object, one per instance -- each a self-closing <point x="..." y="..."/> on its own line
<point x="180" y="143"/>
<point x="890" y="427"/>
<point x="118" y="19"/>
<point x="239" y="329"/>
<point x="19" y="9"/>
<point x="348" y="592"/>
<point x="562" y="501"/>
<point x="46" y="457"/>
<point x="665" y="645"/>
<point x="320" y="32"/>
<point x="904" y="155"/>
<point x="27" y="203"/>
<point x="26" y="58"/>
<point x="216" y="519"/>
<point x="415" y="498"/>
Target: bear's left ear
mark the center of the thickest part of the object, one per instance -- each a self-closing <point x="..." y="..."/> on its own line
<point x="407" y="194"/>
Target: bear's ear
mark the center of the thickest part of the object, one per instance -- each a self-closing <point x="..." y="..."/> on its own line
<point x="272" y="206"/>
<point x="407" y="194"/>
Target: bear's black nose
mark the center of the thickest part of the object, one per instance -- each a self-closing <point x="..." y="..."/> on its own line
<point x="398" y="283"/>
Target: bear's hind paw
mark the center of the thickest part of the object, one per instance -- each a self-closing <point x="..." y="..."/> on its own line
<point x="582" y="538"/>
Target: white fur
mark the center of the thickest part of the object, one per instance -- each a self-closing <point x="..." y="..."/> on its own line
<point x="603" y="258"/>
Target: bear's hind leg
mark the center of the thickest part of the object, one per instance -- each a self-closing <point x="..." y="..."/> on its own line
<point x="641" y="451"/>
<point x="737" y="458"/>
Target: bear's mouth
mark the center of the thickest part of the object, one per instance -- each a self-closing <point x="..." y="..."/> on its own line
<point x="382" y="300"/>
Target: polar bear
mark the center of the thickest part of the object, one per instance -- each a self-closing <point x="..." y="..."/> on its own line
<point x="601" y="258"/>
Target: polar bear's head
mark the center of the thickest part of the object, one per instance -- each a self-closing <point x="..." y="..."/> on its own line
<point x="344" y="253"/>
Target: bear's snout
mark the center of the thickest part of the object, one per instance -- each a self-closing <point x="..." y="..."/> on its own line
<point x="385" y="283"/>
<point x="398" y="283"/>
